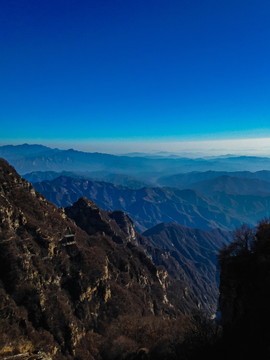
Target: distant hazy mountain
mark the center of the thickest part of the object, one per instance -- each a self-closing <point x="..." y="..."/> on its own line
<point x="117" y="179"/>
<point x="185" y="180"/>
<point x="24" y="150"/>
<point x="233" y="185"/>
<point x="37" y="176"/>
<point x="120" y="179"/>
<point x="248" y="209"/>
<point x="241" y="182"/>
<point x="28" y="158"/>
<point x="148" y="206"/>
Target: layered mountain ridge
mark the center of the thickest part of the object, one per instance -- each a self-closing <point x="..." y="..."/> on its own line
<point x="151" y="206"/>
<point x="27" y="158"/>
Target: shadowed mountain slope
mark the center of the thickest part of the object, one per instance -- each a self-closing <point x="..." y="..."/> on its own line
<point x="189" y="255"/>
<point x="195" y="251"/>
<point x="60" y="287"/>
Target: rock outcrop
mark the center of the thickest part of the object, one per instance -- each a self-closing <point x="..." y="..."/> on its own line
<point x="61" y="287"/>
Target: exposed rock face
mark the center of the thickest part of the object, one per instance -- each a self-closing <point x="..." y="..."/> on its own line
<point x="121" y="230"/>
<point x="190" y="255"/>
<point x="60" y="287"/>
<point x="89" y="217"/>
<point x="125" y="223"/>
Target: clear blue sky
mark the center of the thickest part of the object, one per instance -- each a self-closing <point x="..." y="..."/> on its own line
<point x="72" y="70"/>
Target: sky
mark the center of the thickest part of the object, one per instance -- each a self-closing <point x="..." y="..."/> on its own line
<point x="144" y="75"/>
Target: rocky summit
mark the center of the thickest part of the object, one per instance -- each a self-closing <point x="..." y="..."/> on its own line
<point x="74" y="283"/>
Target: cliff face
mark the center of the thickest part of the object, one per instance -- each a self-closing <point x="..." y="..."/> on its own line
<point x="130" y="244"/>
<point x="89" y="217"/>
<point x="188" y="255"/>
<point x="192" y="255"/>
<point x="245" y="293"/>
<point x="61" y="287"/>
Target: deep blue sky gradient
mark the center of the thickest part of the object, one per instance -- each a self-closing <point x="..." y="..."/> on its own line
<point x="144" y="69"/>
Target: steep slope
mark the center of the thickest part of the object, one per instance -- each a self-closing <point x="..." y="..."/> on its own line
<point x="147" y="207"/>
<point x="60" y="287"/>
<point x="248" y="209"/>
<point x="120" y="228"/>
<point x="188" y="255"/>
<point x="195" y="251"/>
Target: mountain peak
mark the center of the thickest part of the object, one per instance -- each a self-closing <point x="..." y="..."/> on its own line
<point x="85" y="202"/>
<point x="6" y="167"/>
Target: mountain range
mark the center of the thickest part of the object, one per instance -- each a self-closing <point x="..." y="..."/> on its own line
<point x="116" y="179"/>
<point x="147" y="206"/>
<point x="27" y="158"/>
<point x="151" y="206"/>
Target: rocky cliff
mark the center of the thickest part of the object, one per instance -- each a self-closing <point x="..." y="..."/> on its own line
<point x="62" y="288"/>
<point x="191" y="255"/>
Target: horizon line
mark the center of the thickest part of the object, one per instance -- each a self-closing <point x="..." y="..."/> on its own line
<point x="217" y="147"/>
